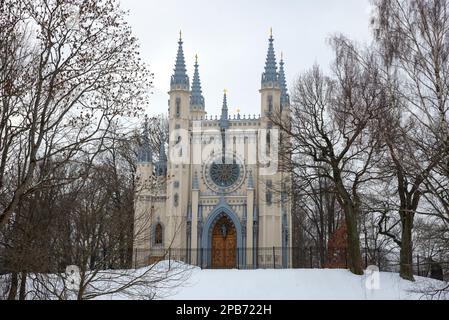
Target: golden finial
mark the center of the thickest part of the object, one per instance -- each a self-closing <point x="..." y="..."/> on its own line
<point x="180" y="34"/>
<point x="225" y="91"/>
<point x="282" y="55"/>
<point x="271" y="32"/>
<point x="196" y="58"/>
<point x="238" y="110"/>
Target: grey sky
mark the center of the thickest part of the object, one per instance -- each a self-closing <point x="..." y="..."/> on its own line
<point x="231" y="39"/>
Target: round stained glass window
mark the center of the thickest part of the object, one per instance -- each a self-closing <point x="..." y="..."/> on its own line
<point x="224" y="174"/>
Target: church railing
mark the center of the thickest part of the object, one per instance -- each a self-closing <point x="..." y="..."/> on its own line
<point x="288" y="258"/>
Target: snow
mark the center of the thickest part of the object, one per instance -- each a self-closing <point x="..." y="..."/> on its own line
<point x="299" y="284"/>
<point x="178" y="281"/>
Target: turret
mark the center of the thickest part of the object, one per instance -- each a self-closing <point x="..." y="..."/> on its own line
<point x="224" y="118"/>
<point x="145" y="155"/>
<point x="285" y="98"/>
<point x="161" y="165"/>
<point x="197" y="107"/>
<point x="270" y="77"/>
<point x="179" y="87"/>
<point x="270" y="87"/>
<point x="180" y="80"/>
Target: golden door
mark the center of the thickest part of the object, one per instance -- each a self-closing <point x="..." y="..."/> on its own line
<point x="224" y="244"/>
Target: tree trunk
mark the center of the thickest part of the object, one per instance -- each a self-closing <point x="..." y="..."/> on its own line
<point x="23" y="281"/>
<point x="13" y="288"/>
<point x="354" y="256"/>
<point x="406" y="255"/>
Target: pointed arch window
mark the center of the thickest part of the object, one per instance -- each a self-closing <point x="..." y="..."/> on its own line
<point x="270" y="104"/>
<point x="269" y="197"/>
<point x="268" y="142"/>
<point x="269" y="193"/>
<point x="178" y="107"/>
<point x="158" y="234"/>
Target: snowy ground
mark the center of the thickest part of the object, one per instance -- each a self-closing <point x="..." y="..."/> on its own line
<point x="299" y="284"/>
<point x="183" y="282"/>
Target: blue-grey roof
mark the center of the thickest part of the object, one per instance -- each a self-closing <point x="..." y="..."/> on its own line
<point x="224" y="120"/>
<point x="161" y="165"/>
<point x="180" y="77"/>
<point x="145" y="154"/>
<point x="196" y="98"/>
<point x="270" y="75"/>
<point x="285" y="98"/>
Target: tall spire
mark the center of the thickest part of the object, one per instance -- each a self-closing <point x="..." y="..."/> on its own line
<point x="224" y="108"/>
<point x="179" y="79"/>
<point x="224" y="111"/>
<point x="197" y="98"/>
<point x="270" y="75"/>
<point x="145" y="155"/>
<point x="162" y="155"/>
<point x="285" y="98"/>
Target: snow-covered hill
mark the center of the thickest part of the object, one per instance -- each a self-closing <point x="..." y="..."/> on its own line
<point x="178" y="281"/>
<point x="296" y="284"/>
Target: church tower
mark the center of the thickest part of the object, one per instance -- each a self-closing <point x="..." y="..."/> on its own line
<point x="270" y="91"/>
<point x="269" y="177"/>
<point x="178" y="186"/>
<point x="285" y="165"/>
<point x="145" y="171"/>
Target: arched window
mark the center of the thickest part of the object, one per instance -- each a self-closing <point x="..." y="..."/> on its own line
<point x="176" y="200"/>
<point x="158" y="234"/>
<point x="268" y="142"/>
<point x="178" y="107"/>
<point x="269" y="194"/>
<point x="270" y="104"/>
<point x="269" y="197"/>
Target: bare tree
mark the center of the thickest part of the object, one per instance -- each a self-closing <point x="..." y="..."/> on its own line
<point x="413" y="42"/>
<point x="330" y="127"/>
<point x="68" y="68"/>
<point x="89" y="223"/>
<point x="319" y="214"/>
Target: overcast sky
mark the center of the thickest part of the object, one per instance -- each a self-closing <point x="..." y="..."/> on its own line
<point x="231" y="40"/>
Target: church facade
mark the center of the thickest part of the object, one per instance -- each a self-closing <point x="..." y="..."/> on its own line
<point x="218" y="197"/>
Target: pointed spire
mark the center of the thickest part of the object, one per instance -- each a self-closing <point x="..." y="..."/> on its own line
<point x="270" y="75"/>
<point x="285" y="98"/>
<point x="145" y="155"/>
<point x="197" y="98"/>
<point x="162" y="155"/>
<point x="224" y="111"/>
<point x="161" y="165"/>
<point x="179" y="79"/>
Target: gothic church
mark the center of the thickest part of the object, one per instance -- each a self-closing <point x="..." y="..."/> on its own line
<point x="217" y="197"/>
